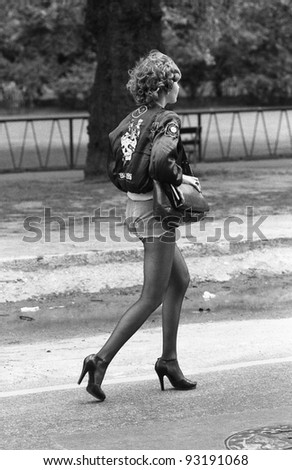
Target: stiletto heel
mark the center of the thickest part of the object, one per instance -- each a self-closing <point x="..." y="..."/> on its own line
<point x="96" y="367"/>
<point x="161" y="380"/>
<point x="84" y="371"/>
<point x="171" y="369"/>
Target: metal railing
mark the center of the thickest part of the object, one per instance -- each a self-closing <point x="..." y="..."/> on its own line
<point x="43" y="142"/>
<point x="60" y="141"/>
<point x="240" y="133"/>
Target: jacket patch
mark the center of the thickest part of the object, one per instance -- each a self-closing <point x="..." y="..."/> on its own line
<point x="138" y="112"/>
<point x="172" y="129"/>
<point x="129" y="139"/>
<point x="127" y="176"/>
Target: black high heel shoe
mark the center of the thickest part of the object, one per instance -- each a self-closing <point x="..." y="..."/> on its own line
<point x="171" y="369"/>
<point x="93" y="364"/>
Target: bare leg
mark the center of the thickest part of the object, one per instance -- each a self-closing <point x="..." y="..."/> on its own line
<point x="171" y="308"/>
<point x="158" y="260"/>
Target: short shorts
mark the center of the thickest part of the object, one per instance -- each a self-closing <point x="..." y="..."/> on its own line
<point x="140" y="219"/>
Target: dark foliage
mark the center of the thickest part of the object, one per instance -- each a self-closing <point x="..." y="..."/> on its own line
<point x="45" y="51"/>
<point x="225" y="48"/>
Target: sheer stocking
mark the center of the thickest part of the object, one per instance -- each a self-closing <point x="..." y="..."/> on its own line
<point x="158" y="262"/>
<point x="171" y="308"/>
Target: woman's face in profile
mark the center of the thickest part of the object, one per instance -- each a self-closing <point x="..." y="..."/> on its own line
<point x="173" y="94"/>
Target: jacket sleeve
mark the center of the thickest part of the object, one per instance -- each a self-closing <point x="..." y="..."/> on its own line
<point x="164" y="154"/>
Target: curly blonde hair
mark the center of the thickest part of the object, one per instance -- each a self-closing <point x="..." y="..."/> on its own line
<point x="152" y="74"/>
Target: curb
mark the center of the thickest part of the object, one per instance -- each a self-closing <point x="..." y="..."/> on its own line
<point x="66" y="260"/>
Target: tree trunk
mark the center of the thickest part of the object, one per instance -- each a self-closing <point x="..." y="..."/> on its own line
<point x="125" y="30"/>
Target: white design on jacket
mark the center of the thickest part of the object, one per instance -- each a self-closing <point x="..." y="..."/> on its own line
<point x="129" y="140"/>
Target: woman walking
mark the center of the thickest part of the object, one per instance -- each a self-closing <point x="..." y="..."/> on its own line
<point x="149" y="130"/>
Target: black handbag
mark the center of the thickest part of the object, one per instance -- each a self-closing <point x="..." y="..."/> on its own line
<point x="177" y="205"/>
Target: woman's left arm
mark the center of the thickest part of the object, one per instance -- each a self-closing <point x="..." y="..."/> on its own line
<point x="164" y="154"/>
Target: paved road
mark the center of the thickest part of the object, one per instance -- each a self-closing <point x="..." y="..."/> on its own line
<point x="239" y="350"/>
<point x="243" y="369"/>
<point x="138" y="416"/>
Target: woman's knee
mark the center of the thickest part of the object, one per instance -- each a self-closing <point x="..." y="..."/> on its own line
<point x="180" y="279"/>
<point x="180" y="276"/>
<point x="152" y="299"/>
<point x="182" y="283"/>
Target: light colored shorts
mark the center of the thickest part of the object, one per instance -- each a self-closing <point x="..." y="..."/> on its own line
<point x="140" y="220"/>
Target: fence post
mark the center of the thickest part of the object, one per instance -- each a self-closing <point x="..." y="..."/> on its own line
<point x="71" y="143"/>
<point x="200" y="137"/>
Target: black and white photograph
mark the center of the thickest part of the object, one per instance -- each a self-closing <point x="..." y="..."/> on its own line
<point x="146" y="233"/>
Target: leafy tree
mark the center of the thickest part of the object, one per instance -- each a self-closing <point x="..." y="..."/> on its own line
<point x="43" y="42"/>
<point x="191" y="29"/>
<point x="256" y="49"/>
<point x="224" y="48"/>
<point x="241" y="47"/>
<point x="124" y="30"/>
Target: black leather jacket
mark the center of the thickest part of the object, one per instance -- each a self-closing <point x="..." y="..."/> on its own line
<point x="146" y="145"/>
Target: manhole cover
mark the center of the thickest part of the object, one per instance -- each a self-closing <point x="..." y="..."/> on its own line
<point x="266" y="438"/>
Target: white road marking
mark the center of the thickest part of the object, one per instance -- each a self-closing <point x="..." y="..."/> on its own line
<point x="120" y="380"/>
